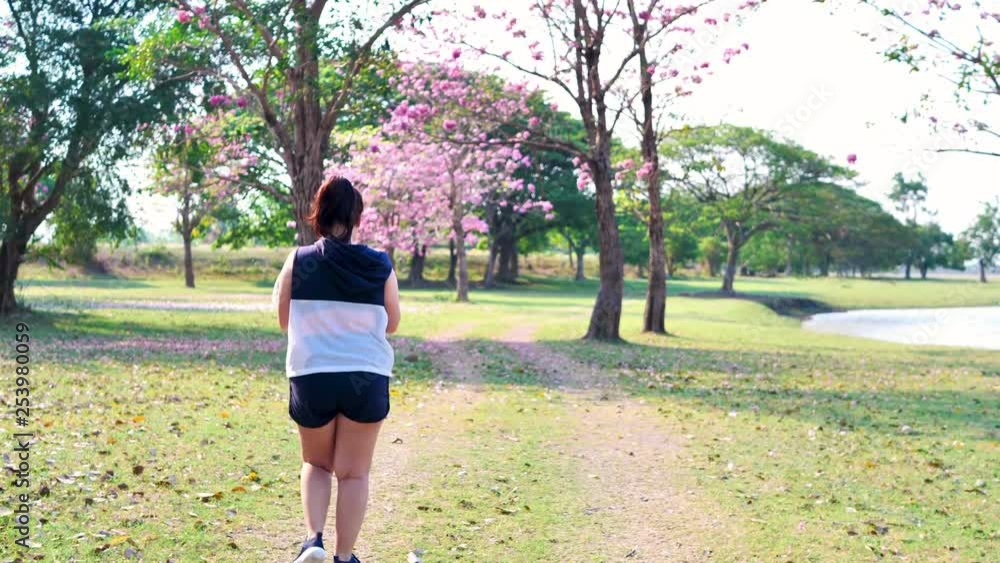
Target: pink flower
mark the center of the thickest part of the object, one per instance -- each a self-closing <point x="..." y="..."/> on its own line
<point x="291" y="224"/>
<point x="852" y="158"/>
<point x="218" y="100"/>
<point x="645" y="15"/>
<point x="183" y="16"/>
<point x="534" y="122"/>
<point x="480" y="12"/>
<point x="651" y="69"/>
<point x="242" y="102"/>
<point x="711" y="21"/>
<point x="450" y="125"/>
<point x="199" y="10"/>
<point x="456" y="53"/>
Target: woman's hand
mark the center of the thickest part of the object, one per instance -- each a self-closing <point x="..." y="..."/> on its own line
<point x="281" y="297"/>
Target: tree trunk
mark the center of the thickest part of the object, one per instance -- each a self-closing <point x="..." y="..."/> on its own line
<point x="11" y="254"/>
<point x="515" y="263"/>
<point x="488" y="278"/>
<point x="982" y="270"/>
<point x="908" y="265"/>
<point x="391" y="253"/>
<point x="923" y="271"/>
<point x="417" y="260"/>
<point x="732" y="256"/>
<point x="462" y="265"/>
<point x="653" y="316"/>
<point x="505" y="251"/>
<point x="188" y="260"/>
<point x="452" y="261"/>
<point x="788" y="258"/>
<point x="580" y="251"/>
<point x="458" y="232"/>
<point x="605" y="319"/>
<point x="305" y="183"/>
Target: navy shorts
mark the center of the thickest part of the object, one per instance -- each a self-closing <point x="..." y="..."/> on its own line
<point x="315" y="399"/>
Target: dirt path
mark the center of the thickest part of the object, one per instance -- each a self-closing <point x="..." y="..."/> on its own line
<point x="642" y="508"/>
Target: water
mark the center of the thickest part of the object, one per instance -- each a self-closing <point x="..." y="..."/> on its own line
<point x="975" y="327"/>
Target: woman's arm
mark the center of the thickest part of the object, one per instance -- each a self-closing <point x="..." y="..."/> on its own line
<point x="392" y="302"/>
<point x="281" y="297"/>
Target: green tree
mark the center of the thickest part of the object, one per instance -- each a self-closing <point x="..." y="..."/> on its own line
<point x="743" y="177"/>
<point x="303" y="67"/>
<point x="910" y="197"/>
<point x="682" y="223"/>
<point x="956" y="41"/>
<point x="70" y="107"/>
<point x="830" y="227"/>
<point x="933" y="248"/>
<point x="93" y="208"/>
<point x="712" y="251"/>
<point x="983" y="237"/>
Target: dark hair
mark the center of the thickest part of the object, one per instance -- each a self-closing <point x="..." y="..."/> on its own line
<point x="337" y="202"/>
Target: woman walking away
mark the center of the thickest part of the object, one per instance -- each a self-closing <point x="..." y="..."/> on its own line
<point x="337" y="301"/>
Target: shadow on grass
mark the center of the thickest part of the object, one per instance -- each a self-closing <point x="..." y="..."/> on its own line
<point x="885" y="394"/>
<point x="93" y="282"/>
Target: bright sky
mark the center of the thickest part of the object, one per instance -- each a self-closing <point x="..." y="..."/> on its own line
<point x="810" y="76"/>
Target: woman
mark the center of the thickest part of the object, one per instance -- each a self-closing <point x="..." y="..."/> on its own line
<point x="337" y="301"/>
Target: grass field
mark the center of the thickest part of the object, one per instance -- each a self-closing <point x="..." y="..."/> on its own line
<point x="162" y="430"/>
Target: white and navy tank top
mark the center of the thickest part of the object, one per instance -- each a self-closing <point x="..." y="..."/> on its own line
<point x="337" y="317"/>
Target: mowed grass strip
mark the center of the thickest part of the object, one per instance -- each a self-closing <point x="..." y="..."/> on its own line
<point x="827" y="447"/>
<point x="501" y="490"/>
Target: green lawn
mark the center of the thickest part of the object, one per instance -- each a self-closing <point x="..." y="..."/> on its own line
<point x="165" y="431"/>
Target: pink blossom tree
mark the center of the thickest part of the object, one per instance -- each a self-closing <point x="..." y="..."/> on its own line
<point x="300" y="64"/>
<point x="200" y="165"/>
<point x="668" y="42"/>
<point x="581" y="56"/>
<point x="404" y="208"/>
<point x="457" y="115"/>
<point x="958" y="41"/>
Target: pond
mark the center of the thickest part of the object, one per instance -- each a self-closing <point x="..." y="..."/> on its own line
<point x="975" y="327"/>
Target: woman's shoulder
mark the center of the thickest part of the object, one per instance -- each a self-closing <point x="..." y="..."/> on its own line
<point x="375" y="253"/>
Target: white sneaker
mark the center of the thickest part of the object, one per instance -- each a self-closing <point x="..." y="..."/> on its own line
<point x="311" y="555"/>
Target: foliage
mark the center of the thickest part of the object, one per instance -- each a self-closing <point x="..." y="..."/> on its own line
<point x="743" y="177"/>
<point x="93" y="208"/>
<point x="956" y="41"/>
<point x="70" y="100"/>
<point x="298" y="66"/>
<point x="983" y="237"/>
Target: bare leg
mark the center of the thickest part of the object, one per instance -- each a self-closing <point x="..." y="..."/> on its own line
<point x="352" y="460"/>
<point x="317" y="468"/>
